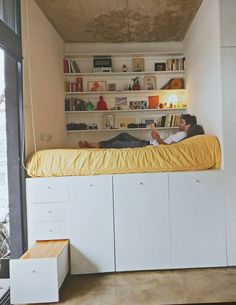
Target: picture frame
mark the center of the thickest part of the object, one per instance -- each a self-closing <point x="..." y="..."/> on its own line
<point x="160" y="66"/>
<point x="97" y="85"/>
<point x="138" y="64"/>
<point x="148" y="121"/>
<point x="121" y="101"/>
<point x="138" y="104"/>
<point x="111" y="86"/>
<point x="149" y="83"/>
<point x="108" y="121"/>
<point x="124" y="121"/>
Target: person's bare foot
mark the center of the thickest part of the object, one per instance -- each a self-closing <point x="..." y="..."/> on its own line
<point x="91" y="145"/>
<point x="82" y="144"/>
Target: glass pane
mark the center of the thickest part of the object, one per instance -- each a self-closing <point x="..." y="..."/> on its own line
<point x="8" y="13"/>
<point x="4" y="200"/>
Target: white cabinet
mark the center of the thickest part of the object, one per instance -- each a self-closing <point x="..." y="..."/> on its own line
<point x="141" y="212"/>
<point x="132" y="221"/>
<point x="47" y="209"/>
<point x="197" y="219"/>
<point x="91" y="224"/>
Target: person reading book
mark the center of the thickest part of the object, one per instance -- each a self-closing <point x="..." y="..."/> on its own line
<point x="187" y="128"/>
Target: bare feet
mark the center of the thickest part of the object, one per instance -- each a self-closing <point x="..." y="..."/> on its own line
<point x="91" y="145"/>
<point x="82" y="144"/>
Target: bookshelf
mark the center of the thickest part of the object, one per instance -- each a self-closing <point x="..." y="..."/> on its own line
<point x="116" y="88"/>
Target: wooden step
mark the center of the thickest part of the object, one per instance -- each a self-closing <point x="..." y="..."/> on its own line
<point x="45" y="249"/>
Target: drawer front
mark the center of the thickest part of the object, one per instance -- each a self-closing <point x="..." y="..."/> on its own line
<point x="47" y="190"/>
<point x="39" y="284"/>
<point x="44" y="230"/>
<point x="48" y="212"/>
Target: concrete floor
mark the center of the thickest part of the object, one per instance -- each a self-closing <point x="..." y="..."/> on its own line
<point x="151" y="287"/>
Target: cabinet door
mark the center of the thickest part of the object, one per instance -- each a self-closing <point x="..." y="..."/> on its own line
<point x="197" y="219"/>
<point x="91" y="224"/>
<point x="141" y="212"/>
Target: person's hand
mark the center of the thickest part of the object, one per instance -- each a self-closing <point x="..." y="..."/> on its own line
<point x="155" y="135"/>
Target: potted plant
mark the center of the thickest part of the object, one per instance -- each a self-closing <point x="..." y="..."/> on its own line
<point x="136" y="84"/>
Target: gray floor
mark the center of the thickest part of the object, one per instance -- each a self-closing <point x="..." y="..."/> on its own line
<point x="151" y="287"/>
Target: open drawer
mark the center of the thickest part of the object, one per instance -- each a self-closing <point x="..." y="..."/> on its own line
<point x="37" y="275"/>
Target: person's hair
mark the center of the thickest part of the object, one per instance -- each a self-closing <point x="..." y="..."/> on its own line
<point x="195" y="130"/>
<point x="189" y="119"/>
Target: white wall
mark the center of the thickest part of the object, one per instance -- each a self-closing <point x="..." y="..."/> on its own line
<point x="203" y="74"/>
<point x="43" y="51"/>
<point x="228" y="49"/>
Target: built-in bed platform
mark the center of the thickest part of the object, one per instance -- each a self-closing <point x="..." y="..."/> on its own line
<point x="196" y="153"/>
<point x="131" y="209"/>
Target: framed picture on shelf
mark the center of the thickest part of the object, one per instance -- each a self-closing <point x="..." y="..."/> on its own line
<point x="97" y="85"/>
<point x="138" y="64"/>
<point x="149" y="121"/>
<point x="149" y="83"/>
<point x="121" y="101"/>
<point x="111" y="86"/>
<point x="153" y="102"/>
<point x="108" y="121"/>
<point x="160" y="66"/>
<point x="138" y="104"/>
<point x="124" y="121"/>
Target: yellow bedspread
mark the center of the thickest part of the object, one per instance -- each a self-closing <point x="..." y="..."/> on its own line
<point x="197" y="153"/>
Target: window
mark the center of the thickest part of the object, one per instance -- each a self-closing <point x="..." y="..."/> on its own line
<point x="8" y="13"/>
<point x="12" y="186"/>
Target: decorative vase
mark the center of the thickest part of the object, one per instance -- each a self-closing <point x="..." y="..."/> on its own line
<point x="136" y="87"/>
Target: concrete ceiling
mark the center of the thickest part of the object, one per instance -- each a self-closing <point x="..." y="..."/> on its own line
<point x="112" y="21"/>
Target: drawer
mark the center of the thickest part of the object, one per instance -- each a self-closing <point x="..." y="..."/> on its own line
<point x="48" y="211"/>
<point x="43" y="275"/>
<point x="47" y="190"/>
<point x="45" y="230"/>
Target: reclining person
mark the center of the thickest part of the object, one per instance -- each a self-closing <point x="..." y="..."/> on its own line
<point x="125" y="140"/>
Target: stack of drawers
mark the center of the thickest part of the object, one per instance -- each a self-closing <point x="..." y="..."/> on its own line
<point x="47" y="209"/>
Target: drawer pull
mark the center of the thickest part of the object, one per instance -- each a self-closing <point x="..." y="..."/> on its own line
<point x="49" y="212"/>
<point x="141" y="183"/>
<point x="198" y="181"/>
<point x="49" y="188"/>
<point x="91" y="185"/>
<point x="50" y="230"/>
<point x="34" y="271"/>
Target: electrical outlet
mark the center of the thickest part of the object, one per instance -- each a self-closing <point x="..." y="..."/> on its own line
<point x="46" y="137"/>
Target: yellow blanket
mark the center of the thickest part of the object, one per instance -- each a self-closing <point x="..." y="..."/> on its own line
<point x="197" y="153"/>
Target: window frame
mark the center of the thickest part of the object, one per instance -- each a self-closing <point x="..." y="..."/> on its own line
<point x="10" y="42"/>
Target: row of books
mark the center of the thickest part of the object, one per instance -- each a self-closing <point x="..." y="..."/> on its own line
<point x="169" y="120"/>
<point x="74" y="86"/>
<point x="75" y="104"/>
<point x="175" y="64"/>
<point x="70" y="66"/>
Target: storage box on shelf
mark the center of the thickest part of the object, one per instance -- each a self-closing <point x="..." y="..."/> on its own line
<point x="119" y="91"/>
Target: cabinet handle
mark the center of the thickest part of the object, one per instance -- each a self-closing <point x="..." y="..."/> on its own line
<point x="34" y="271"/>
<point x="141" y="183"/>
<point x="50" y="230"/>
<point x="91" y="185"/>
<point x="50" y="212"/>
<point x="49" y="188"/>
<point x="198" y="181"/>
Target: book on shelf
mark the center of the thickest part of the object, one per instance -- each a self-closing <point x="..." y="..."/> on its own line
<point x="70" y="66"/>
<point x="74" y="104"/>
<point x="74" y="85"/>
<point x="175" y="64"/>
<point x="169" y="120"/>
